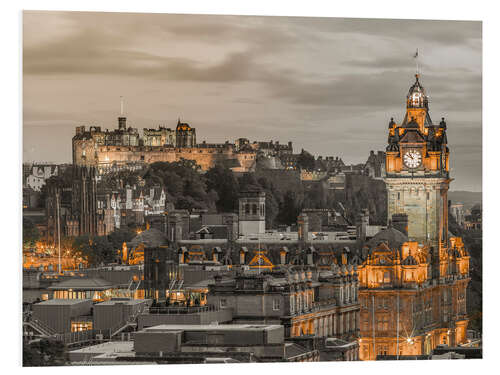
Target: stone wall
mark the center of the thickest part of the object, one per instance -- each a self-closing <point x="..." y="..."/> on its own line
<point x="85" y="153"/>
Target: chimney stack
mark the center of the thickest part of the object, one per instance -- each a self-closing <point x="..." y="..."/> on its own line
<point x="303" y="227"/>
<point x="362" y="222"/>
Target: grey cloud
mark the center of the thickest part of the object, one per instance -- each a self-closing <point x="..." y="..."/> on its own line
<point x="441" y="32"/>
<point x="330" y="85"/>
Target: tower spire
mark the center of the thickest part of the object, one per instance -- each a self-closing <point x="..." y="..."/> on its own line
<point x="121" y="105"/>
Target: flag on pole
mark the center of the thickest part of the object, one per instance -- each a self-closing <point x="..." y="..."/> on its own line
<point x="415" y="56"/>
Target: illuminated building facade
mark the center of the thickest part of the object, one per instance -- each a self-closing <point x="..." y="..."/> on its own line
<point x="305" y="300"/>
<point x="414" y="274"/>
<point x="109" y="150"/>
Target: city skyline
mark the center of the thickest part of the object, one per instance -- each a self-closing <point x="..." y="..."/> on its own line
<point x="275" y="77"/>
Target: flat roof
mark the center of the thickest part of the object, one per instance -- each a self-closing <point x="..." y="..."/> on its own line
<point x="122" y="302"/>
<point x="211" y="327"/>
<point x="107" y="348"/>
<point x="83" y="283"/>
<point x="63" y="302"/>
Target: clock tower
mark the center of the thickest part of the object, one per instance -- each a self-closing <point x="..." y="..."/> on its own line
<point x="417" y="171"/>
<point x="412" y="268"/>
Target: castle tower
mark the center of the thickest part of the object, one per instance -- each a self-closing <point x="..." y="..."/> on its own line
<point x="122" y="123"/>
<point x="185" y="135"/>
<point x="252" y="212"/>
<point x="417" y="170"/>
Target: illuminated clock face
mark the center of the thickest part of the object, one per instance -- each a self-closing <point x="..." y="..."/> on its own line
<point x="412" y="159"/>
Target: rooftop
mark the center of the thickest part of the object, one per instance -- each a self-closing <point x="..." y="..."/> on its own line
<point x="107" y="347"/>
<point x="83" y="283"/>
<point x="212" y="327"/>
<point x="123" y="302"/>
<point x="393" y="237"/>
<point x="150" y="238"/>
<point x="293" y="350"/>
<point x="62" y="302"/>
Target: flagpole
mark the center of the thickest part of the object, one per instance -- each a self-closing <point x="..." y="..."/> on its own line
<point x="416" y="59"/>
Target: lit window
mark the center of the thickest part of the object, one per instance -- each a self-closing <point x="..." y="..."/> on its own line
<point x="80" y="326"/>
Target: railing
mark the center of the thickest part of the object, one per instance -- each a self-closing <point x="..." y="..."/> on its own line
<point x="323" y="304"/>
<point x="41" y="327"/>
<point x="81" y="336"/>
<point x="182" y="310"/>
<point x="88" y="336"/>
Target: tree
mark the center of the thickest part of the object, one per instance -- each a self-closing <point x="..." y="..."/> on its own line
<point x="119" y="236"/>
<point x="82" y="245"/>
<point x="306" y="161"/>
<point x="222" y="181"/>
<point x="30" y="232"/>
<point x="103" y="251"/>
<point x="46" y="352"/>
<point x="248" y="182"/>
<point x="289" y="209"/>
<point x="96" y="250"/>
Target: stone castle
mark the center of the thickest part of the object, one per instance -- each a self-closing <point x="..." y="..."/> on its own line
<point x="107" y="149"/>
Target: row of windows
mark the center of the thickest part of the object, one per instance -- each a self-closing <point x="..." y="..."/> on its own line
<point x="276" y="303"/>
<point x="380" y="303"/>
<point x="428" y="196"/>
<point x="252" y="209"/>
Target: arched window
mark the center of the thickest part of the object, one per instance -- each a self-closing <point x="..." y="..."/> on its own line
<point x="254" y="209"/>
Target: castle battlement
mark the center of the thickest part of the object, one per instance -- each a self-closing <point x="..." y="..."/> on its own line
<point x="94" y="146"/>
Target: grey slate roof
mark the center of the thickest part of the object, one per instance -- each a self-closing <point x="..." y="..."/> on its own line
<point x="150" y="238"/>
<point x="393" y="237"/>
<point x="83" y="283"/>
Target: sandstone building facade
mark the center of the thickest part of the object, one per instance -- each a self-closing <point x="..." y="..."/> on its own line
<point x="414" y="274"/>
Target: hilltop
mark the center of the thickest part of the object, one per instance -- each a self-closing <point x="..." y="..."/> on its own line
<point x="468" y="198"/>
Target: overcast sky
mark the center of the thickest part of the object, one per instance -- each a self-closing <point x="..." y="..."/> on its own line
<point x="330" y="85"/>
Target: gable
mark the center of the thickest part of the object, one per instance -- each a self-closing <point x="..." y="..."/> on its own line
<point x="412" y="136"/>
<point x="260" y="261"/>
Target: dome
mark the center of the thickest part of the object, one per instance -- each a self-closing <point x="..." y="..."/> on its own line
<point x="393" y="237"/>
<point x="416" y="97"/>
<point x="416" y="87"/>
